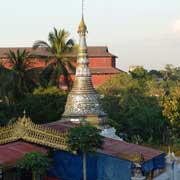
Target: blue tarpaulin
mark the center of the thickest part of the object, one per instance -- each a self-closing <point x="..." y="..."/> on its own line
<point x="110" y="168"/>
<point x="155" y="163"/>
<point x="99" y="166"/>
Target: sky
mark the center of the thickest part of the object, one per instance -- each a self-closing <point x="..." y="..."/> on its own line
<point x="139" y="32"/>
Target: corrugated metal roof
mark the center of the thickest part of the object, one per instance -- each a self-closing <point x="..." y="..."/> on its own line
<point x="122" y="149"/>
<point x="10" y="153"/>
<point x="113" y="147"/>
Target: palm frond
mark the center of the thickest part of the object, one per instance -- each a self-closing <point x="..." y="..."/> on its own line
<point x="42" y="44"/>
<point x="59" y="44"/>
<point x="18" y="80"/>
<point x="71" y="66"/>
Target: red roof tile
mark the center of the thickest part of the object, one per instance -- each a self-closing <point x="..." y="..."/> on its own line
<point x="121" y="148"/>
<point x="93" y="51"/>
<point x="10" y="153"/>
<point x="109" y="70"/>
<point x="61" y="126"/>
<point x="113" y="147"/>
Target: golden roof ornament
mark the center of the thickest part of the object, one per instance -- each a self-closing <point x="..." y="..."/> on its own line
<point x="25" y="129"/>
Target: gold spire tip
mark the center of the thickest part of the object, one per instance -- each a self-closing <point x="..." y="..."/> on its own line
<point x="82" y="26"/>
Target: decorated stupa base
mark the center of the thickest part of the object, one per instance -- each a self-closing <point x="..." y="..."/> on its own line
<point x="98" y="121"/>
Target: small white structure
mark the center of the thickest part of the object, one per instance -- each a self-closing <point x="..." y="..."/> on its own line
<point x="172" y="168"/>
<point x="110" y="132"/>
<point x="137" y="172"/>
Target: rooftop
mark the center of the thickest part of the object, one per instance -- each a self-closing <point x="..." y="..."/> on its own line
<point x="13" y="151"/>
<point x="10" y="153"/>
<point x="93" y="51"/>
<point x="113" y="147"/>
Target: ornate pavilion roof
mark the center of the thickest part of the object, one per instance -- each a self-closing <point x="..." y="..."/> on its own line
<point x="24" y="136"/>
<point x="24" y="129"/>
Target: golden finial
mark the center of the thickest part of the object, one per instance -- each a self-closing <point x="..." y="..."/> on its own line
<point x="82" y="27"/>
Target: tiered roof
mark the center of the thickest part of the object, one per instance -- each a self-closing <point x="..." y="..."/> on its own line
<point x="93" y="51"/>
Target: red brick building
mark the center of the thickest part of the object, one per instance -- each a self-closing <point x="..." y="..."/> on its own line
<point x="101" y="62"/>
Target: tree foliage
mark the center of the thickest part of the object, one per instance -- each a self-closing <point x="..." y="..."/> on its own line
<point x="58" y="45"/>
<point x="45" y="105"/>
<point x="36" y="162"/>
<point x="19" y="78"/>
<point x="134" y="107"/>
<point x="84" y="138"/>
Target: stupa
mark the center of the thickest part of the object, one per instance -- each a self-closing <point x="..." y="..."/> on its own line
<point x="83" y="100"/>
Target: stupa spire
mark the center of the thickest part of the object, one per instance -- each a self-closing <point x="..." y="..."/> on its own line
<point x="82" y="26"/>
<point x="82" y="102"/>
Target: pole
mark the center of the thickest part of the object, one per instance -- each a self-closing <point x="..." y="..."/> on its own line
<point x="84" y="166"/>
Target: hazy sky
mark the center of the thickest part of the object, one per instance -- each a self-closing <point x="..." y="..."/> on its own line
<point x="139" y="32"/>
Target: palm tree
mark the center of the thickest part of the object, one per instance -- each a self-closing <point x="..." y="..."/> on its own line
<point x="59" y="45"/>
<point x="87" y="139"/>
<point x="36" y="162"/>
<point x="20" y="77"/>
<point x="4" y="79"/>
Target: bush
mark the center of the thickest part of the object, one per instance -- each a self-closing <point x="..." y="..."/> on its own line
<point x="52" y="90"/>
<point x="42" y="107"/>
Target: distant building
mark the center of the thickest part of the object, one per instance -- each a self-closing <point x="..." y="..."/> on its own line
<point x="101" y="62"/>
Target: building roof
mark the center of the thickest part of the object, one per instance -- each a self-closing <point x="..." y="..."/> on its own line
<point x="10" y="153"/>
<point x="101" y="70"/>
<point x="25" y="129"/>
<point x="93" y="51"/>
<point x="108" y="70"/>
<point x="14" y="150"/>
<point x="125" y="150"/>
<point x="113" y="147"/>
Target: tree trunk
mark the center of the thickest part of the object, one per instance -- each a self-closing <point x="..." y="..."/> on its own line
<point x="84" y="166"/>
<point x="33" y="176"/>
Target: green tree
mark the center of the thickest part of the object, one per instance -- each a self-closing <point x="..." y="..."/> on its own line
<point x="36" y="162"/>
<point x="134" y="111"/>
<point x="84" y="138"/>
<point x="171" y="111"/>
<point x="139" y="73"/>
<point x="168" y="71"/>
<point x="19" y="79"/>
<point x="51" y="90"/>
<point x="142" y="116"/>
<point x="154" y="88"/>
<point x="59" y="45"/>
<point x="116" y="84"/>
<point x="155" y="74"/>
<point x="43" y="106"/>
